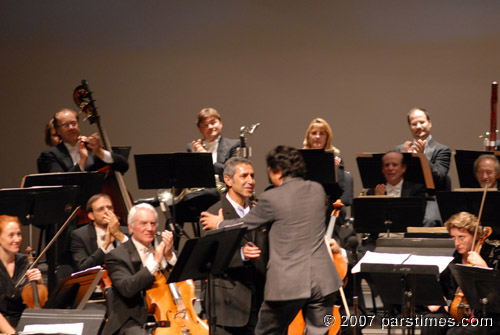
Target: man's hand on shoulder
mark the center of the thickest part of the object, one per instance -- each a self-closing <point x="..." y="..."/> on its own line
<point x="210" y="221"/>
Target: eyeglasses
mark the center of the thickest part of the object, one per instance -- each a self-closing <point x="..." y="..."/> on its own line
<point x="145" y="223"/>
<point x="67" y="125"/>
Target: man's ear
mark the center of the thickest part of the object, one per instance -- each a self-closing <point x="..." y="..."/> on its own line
<point x="228" y="181"/>
<point x="91" y="216"/>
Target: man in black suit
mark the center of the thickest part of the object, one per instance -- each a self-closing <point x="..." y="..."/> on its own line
<point x="77" y="153"/>
<point x="90" y="243"/>
<point x="132" y="267"/>
<point x="393" y="169"/>
<point x="439" y="156"/>
<point x="238" y="296"/>
<point x="209" y="124"/>
<point x="300" y="272"/>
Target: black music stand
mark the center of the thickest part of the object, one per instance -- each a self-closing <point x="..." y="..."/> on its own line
<point x="470" y="201"/>
<point x="480" y="286"/>
<point x="406" y="285"/>
<point x="207" y="257"/>
<point x="464" y="161"/>
<point x="417" y="169"/>
<point x="321" y="168"/>
<point x="74" y="291"/>
<point x="92" y="320"/>
<point x="176" y="171"/>
<point x="45" y="207"/>
<point x="387" y="214"/>
<point x="89" y="183"/>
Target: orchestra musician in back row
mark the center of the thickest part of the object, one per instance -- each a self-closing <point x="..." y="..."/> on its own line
<point x="209" y="124"/>
<point x="13" y="267"/>
<point x="76" y="153"/>
<point x="461" y="228"/>
<point x="487" y="170"/>
<point x="438" y="155"/>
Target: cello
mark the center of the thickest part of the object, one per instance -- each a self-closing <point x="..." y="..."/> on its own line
<point x="114" y="185"/>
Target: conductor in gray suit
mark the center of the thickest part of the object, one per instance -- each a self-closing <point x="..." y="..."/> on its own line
<point x="300" y="273"/>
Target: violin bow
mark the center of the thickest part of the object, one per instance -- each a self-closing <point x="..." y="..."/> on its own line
<point x="59" y="232"/>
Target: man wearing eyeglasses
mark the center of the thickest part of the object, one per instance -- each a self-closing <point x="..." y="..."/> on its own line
<point x="76" y="152"/>
<point x="91" y="243"/>
<point x="132" y="267"/>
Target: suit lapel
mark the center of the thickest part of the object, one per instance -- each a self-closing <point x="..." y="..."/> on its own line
<point x="135" y="259"/>
<point x="65" y="157"/>
<point x="92" y="236"/>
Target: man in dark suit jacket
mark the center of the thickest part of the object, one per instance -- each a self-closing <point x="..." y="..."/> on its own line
<point x="76" y="153"/>
<point x="393" y="169"/>
<point x="439" y="156"/>
<point x="210" y="126"/>
<point x="239" y="294"/>
<point x="300" y="272"/>
<point x="132" y="267"/>
<point x="90" y="243"/>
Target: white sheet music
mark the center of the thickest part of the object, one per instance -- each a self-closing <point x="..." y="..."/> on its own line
<point x="62" y="328"/>
<point x="390" y="258"/>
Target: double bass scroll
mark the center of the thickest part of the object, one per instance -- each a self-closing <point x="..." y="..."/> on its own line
<point x="114" y="184"/>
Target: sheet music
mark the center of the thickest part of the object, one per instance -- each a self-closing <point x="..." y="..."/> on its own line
<point x="62" y="328"/>
<point x="397" y="259"/>
<point x="441" y="261"/>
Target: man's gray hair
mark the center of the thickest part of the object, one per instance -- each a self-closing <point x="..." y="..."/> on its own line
<point x="231" y="163"/>
<point x="496" y="164"/>
<point x="132" y="215"/>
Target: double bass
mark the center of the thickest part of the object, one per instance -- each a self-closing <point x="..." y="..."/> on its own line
<point x="114" y="185"/>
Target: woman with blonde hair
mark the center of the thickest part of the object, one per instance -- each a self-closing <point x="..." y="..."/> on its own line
<point x="319" y="136"/>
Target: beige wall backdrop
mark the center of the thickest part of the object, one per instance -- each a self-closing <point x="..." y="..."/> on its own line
<point x="152" y="65"/>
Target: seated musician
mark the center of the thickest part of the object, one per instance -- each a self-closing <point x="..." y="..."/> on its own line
<point x="90" y="243"/>
<point x="13" y="267"/>
<point x="461" y="228"/>
<point x="487" y="170"/>
<point x="393" y="169"/>
<point x="77" y="153"/>
<point x="132" y="267"/>
<point x="209" y="124"/>
<point x="300" y="273"/>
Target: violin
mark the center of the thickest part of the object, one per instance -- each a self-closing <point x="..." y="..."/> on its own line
<point x="174" y="302"/>
<point x="460" y="307"/>
<point x="34" y="295"/>
<point x="297" y="327"/>
<point x="114" y="184"/>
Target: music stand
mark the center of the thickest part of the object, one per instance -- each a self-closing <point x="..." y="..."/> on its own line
<point x="90" y="183"/>
<point x="470" y="201"/>
<point x="176" y="171"/>
<point x="480" y="287"/>
<point x="207" y="257"/>
<point x="92" y="319"/>
<point x="46" y="207"/>
<point x="417" y="169"/>
<point x="387" y="214"/>
<point x="321" y="168"/>
<point x="464" y="161"/>
<point x="74" y="291"/>
<point x="406" y="285"/>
